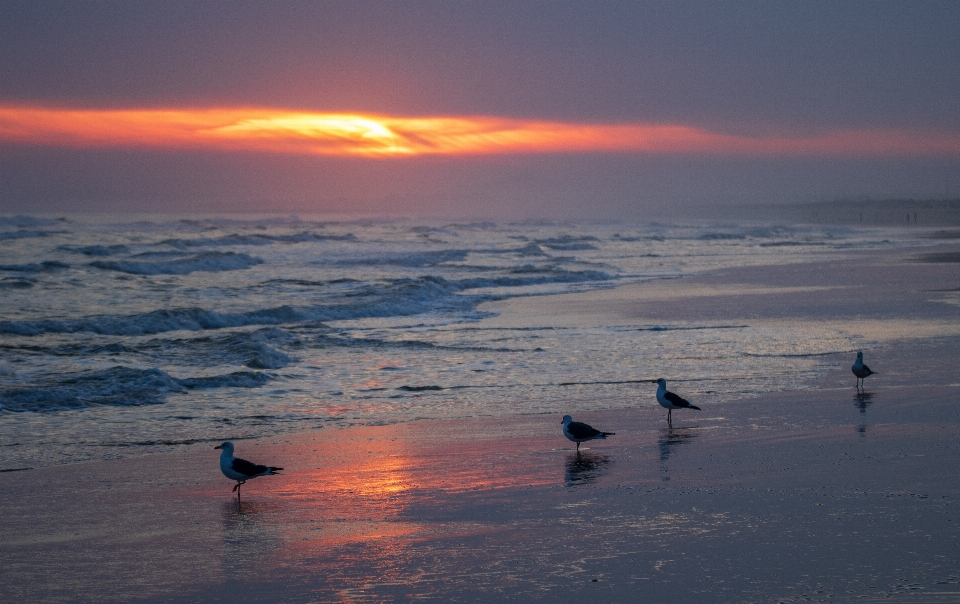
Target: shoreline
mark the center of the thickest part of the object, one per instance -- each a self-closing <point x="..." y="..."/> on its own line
<point x="813" y="494"/>
<point x="768" y="297"/>
<point x="493" y="508"/>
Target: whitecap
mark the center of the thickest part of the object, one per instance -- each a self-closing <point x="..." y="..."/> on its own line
<point x="207" y="261"/>
<point x="16" y="283"/>
<point x="36" y="267"/>
<point x="96" y="250"/>
<point x="22" y="221"/>
<point x="265" y="357"/>
<point x="238" y="379"/>
<point x="254" y="239"/>
<point x="117" y="386"/>
<point x="22" y="234"/>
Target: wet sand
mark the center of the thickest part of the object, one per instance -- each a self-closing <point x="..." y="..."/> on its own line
<point x="820" y="494"/>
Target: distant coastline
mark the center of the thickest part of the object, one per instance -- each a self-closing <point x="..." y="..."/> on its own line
<point x="866" y="212"/>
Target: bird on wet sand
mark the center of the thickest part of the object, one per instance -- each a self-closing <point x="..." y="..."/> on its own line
<point x="240" y="470"/>
<point x="860" y="370"/>
<point x="579" y="432"/>
<point x="670" y="400"/>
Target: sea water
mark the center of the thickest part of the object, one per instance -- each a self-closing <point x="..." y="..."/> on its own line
<point x="121" y="336"/>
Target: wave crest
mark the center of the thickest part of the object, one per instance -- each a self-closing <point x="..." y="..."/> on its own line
<point x="118" y="386"/>
<point x="207" y="261"/>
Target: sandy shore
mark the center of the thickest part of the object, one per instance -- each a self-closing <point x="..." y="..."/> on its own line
<point x="812" y="495"/>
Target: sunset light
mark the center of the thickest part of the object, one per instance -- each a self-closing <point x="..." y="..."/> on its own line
<point x="367" y="259"/>
<point x="344" y="134"/>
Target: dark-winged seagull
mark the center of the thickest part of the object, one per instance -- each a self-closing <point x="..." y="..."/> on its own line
<point x="670" y="400"/>
<point x="240" y="470"/>
<point x="579" y="432"/>
<point x="860" y="370"/>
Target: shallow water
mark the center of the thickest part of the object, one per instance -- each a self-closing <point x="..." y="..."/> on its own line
<point x="123" y="337"/>
<point x="819" y="495"/>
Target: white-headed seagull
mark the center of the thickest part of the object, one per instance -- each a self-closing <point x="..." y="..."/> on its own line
<point x="240" y="470"/>
<point x="579" y="432"/>
<point x="860" y="370"/>
<point x="670" y="400"/>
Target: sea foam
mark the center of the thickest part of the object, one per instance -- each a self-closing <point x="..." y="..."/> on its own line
<point x="117" y="386"/>
<point x="207" y="261"/>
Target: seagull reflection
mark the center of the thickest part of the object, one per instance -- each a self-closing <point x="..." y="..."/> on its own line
<point x="862" y="401"/>
<point x="673" y="437"/>
<point x="584" y="468"/>
<point x="242" y="519"/>
<point x="248" y="536"/>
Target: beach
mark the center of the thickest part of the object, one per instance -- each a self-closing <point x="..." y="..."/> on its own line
<point x="808" y="494"/>
<point x="367" y="302"/>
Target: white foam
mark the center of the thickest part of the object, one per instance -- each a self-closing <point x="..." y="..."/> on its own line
<point x="207" y="261"/>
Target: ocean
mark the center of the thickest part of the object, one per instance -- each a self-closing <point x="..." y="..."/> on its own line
<point x="121" y="336"/>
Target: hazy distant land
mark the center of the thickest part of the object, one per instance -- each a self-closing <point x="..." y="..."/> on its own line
<point x="866" y="212"/>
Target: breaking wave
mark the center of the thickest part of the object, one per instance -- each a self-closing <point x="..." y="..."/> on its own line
<point x="255" y="239"/>
<point x="23" y="234"/>
<point x="117" y="386"/>
<point x="36" y="267"/>
<point x="207" y="261"/>
<point x="96" y="250"/>
<point x="400" y="297"/>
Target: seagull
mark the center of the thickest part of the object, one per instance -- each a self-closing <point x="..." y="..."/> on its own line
<point x="579" y="432"/>
<point x="240" y="470"/>
<point x="860" y="370"/>
<point x="670" y="400"/>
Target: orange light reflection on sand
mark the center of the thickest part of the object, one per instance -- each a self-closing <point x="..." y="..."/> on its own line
<point x="357" y="490"/>
<point x="363" y="488"/>
<point x="343" y="134"/>
<point x="363" y="503"/>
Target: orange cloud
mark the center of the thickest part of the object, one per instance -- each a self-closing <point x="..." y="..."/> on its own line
<point x="342" y="134"/>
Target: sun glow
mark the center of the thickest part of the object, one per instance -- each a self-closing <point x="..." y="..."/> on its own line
<point x="344" y="134"/>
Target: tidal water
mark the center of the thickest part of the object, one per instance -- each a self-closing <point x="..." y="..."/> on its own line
<point x="120" y="336"/>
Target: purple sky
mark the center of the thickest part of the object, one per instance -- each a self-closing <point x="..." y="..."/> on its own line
<point x="794" y="69"/>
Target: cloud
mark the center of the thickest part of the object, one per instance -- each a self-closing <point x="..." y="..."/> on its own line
<point x="345" y="134"/>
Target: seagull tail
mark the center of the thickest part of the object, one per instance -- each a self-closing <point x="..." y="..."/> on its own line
<point x="606" y="434"/>
<point x="695" y="407"/>
<point x="273" y="470"/>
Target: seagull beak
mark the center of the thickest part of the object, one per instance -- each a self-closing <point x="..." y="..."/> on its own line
<point x="218" y="447"/>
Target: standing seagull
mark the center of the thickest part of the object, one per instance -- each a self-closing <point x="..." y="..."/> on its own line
<point x="671" y="401"/>
<point x="579" y="432"/>
<point x="860" y="370"/>
<point x="240" y="470"/>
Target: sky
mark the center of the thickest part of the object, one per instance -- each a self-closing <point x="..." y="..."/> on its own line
<point x="487" y="110"/>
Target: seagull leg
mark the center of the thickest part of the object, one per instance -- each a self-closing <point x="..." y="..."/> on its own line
<point x="578" y="447"/>
<point x="670" y="417"/>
